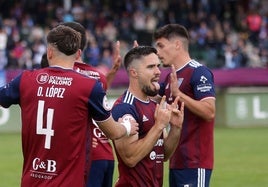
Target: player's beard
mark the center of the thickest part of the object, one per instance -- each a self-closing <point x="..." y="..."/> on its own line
<point x="148" y="91"/>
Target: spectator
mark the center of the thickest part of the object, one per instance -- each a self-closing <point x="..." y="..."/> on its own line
<point x="92" y="53"/>
<point x="232" y="16"/>
<point x="3" y="46"/>
<point x="254" y="21"/>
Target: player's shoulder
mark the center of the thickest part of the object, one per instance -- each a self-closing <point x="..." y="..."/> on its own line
<point x="195" y="64"/>
<point x="30" y="71"/>
<point x="198" y="67"/>
<point x="83" y="66"/>
<point x="126" y="102"/>
<point x="88" y="70"/>
<point x="28" y="74"/>
<point x="124" y="105"/>
<point x="126" y="98"/>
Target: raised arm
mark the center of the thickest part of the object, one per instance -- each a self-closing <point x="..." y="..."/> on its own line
<point x="132" y="149"/>
<point x="117" y="61"/>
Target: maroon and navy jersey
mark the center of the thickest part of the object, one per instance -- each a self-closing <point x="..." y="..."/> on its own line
<point x="195" y="149"/>
<point x="56" y="107"/>
<point x="91" y="72"/>
<point x="104" y="150"/>
<point x="149" y="171"/>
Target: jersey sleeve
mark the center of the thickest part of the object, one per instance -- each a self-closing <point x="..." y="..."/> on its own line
<point x="98" y="103"/>
<point x="203" y="83"/>
<point x="123" y="109"/>
<point x="10" y="93"/>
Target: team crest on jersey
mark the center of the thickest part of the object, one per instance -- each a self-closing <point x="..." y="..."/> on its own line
<point x="203" y="79"/>
<point x="42" y="78"/>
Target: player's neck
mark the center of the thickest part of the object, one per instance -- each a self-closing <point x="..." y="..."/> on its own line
<point x="182" y="61"/>
<point x="138" y="93"/>
<point x="79" y="60"/>
<point x="63" y="64"/>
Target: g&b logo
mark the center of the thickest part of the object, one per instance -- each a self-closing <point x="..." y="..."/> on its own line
<point x="47" y="165"/>
<point x="98" y="133"/>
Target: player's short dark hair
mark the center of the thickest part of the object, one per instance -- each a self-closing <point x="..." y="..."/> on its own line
<point x="171" y="30"/>
<point x="65" y="39"/>
<point x="79" y="28"/>
<point x="137" y="53"/>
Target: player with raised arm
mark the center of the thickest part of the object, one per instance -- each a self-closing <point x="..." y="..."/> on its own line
<point x="192" y="162"/>
<point x="56" y="107"/>
<point x="141" y="157"/>
<point x="100" y="155"/>
<point x="101" y="158"/>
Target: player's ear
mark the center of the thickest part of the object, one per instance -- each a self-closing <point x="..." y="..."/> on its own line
<point x="133" y="72"/>
<point x="178" y="44"/>
<point x="49" y="52"/>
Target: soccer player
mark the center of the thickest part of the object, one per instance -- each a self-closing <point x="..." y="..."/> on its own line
<point x="101" y="160"/>
<point x="56" y="105"/>
<point x="141" y="156"/>
<point x="192" y="162"/>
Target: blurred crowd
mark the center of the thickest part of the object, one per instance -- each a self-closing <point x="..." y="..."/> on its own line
<point x="224" y="33"/>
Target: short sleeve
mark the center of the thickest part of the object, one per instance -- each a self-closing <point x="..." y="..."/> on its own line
<point x="98" y="103"/>
<point x="10" y="93"/>
<point x="203" y="83"/>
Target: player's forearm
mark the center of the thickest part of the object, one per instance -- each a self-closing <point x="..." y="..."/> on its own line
<point x="112" y="129"/>
<point x="137" y="150"/>
<point x="110" y="77"/>
<point x="204" y="108"/>
<point x="118" y="132"/>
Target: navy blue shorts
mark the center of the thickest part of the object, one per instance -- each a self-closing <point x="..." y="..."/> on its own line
<point x="189" y="177"/>
<point x="101" y="173"/>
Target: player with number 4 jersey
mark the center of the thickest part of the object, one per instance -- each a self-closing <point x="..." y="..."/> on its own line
<point x="45" y="96"/>
<point x="57" y="104"/>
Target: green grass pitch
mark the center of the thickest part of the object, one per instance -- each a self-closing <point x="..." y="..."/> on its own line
<point x="241" y="158"/>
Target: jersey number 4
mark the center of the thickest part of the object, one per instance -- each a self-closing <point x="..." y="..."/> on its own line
<point x="48" y="131"/>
